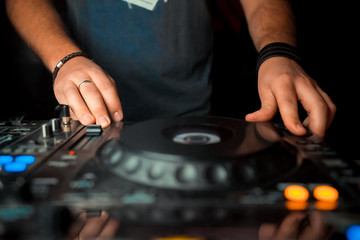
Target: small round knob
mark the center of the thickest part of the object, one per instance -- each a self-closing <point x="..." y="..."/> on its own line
<point x="156" y="171"/>
<point x="46" y="130"/>
<point x="186" y="173"/>
<point x="55" y="125"/>
<point x="217" y="174"/>
<point x="132" y="164"/>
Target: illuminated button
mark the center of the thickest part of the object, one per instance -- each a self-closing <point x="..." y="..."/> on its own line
<point x="71" y="153"/>
<point x="27" y="159"/>
<point x="296" y="193"/>
<point x="353" y="232"/>
<point x="5" y="159"/>
<point x="326" y="193"/>
<point x="15" y="167"/>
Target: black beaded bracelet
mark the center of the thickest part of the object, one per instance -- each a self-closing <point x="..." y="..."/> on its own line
<point x="277" y="49"/>
<point x="65" y="59"/>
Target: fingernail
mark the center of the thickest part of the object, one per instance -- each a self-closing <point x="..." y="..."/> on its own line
<point x="87" y="119"/>
<point x="117" y="117"/>
<point x="301" y="129"/>
<point x="103" y="121"/>
<point x="299" y="125"/>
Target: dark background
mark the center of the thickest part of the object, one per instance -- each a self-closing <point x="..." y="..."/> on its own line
<point x="328" y="42"/>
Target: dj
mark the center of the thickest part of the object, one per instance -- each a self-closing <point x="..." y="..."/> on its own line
<point x="156" y="56"/>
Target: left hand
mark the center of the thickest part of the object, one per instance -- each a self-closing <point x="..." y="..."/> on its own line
<point x="282" y="83"/>
<point x="95" y="227"/>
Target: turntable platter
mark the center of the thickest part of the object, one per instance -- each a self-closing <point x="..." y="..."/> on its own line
<point x="199" y="153"/>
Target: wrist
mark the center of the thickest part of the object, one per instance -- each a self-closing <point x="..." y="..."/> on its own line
<point x="277" y="49"/>
<point x="65" y="59"/>
<point x="57" y="51"/>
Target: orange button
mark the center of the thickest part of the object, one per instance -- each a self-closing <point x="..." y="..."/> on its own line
<point x="71" y="152"/>
<point x="326" y="193"/>
<point x="296" y="193"/>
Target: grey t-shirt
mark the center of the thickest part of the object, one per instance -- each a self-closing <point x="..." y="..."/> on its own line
<point x="159" y="59"/>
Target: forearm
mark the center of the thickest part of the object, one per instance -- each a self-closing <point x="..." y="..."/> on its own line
<point x="269" y="21"/>
<point x="41" y="27"/>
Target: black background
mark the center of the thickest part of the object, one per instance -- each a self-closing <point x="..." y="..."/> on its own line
<point x="328" y="33"/>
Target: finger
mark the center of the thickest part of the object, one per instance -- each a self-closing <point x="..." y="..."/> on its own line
<point x="267" y="231"/>
<point x="60" y="97"/>
<point x="76" y="227"/>
<point x="317" y="109"/>
<point x="93" y="226"/>
<point x="331" y="109"/>
<point x="289" y="228"/>
<point x="266" y="112"/>
<point x="77" y="105"/>
<point x="288" y="107"/>
<point x="306" y="122"/>
<point x="331" y="105"/>
<point x="72" y="114"/>
<point x="317" y="229"/>
<point x="111" y="97"/>
<point x="110" y="229"/>
<point x="95" y="103"/>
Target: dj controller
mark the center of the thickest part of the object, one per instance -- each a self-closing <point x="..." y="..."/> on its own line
<point x="173" y="178"/>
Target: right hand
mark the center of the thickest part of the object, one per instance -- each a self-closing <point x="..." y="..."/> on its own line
<point x="94" y="227"/>
<point x="91" y="102"/>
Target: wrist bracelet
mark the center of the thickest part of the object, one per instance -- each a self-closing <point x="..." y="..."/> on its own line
<point x="65" y="59"/>
<point x="277" y="49"/>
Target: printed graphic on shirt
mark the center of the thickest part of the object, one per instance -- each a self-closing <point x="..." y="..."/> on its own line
<point x="147" y="4"/>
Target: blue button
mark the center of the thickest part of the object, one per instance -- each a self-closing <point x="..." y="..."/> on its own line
<point x="5" y="159"/>
<point x="27" y="159"/>
<point x="15" y="167"/>
<point x="353" y="232"/>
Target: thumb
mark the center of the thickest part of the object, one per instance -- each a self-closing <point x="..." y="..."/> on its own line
<point x="265" y="113"/>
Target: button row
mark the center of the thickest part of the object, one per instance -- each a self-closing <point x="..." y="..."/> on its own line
<point x="16" y="164"/>
<point x="321" y="193"/>
<point x="157" y="171"/>
<point x="170" y="174"/>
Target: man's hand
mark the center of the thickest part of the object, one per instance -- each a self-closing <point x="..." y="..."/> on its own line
<point x="297" y="225"/>
<point x="282" y="83"/>
<point x="92" y="101"/>
<point x="42" y="28"/>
